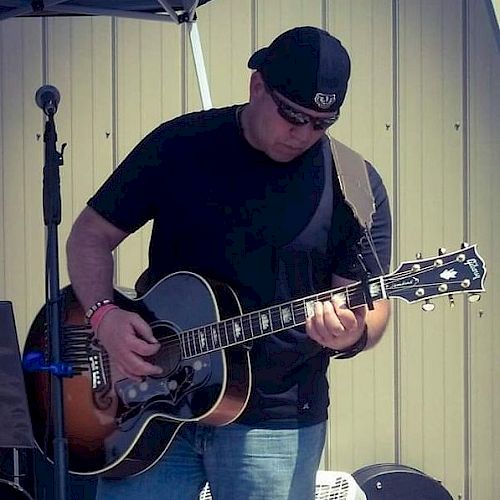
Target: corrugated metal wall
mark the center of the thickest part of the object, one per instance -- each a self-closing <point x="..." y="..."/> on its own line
<point x="423" y="107"/>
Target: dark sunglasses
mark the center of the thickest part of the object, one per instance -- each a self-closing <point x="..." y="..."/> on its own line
<point x="295" y="117"/>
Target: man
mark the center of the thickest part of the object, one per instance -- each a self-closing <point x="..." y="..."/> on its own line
<point x="245" y="195"/>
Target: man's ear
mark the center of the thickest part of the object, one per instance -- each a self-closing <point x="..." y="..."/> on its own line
<point x="257" y="86"/>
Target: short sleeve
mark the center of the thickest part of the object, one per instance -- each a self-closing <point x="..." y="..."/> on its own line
<point x="129" y="196"/>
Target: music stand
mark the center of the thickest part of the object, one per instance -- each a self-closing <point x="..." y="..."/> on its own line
<point x="16" y="430"/>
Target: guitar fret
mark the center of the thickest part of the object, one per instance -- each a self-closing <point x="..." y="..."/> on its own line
<point x="238" y="330"/>
<point x="220" y="335"/>
<point x="183" y="343"/>
<point x="228" y="325"/>
<point x="196" y="342"/>
<point x="203" y="341"/>
<point x="286" y="315"/>
<point x="208" y="339"/>
<point x="276" y="322"/>
<point x="341" y="298"/>
<point x="265" y="321"/>
<point x="216" y="333"/>
<point x="245" y="327"/>
<point x="191" y="342"/>
<point x="294" y="312"/>
<point x="255" y="320"/>
<point x="225" y="323"/>
<point x="309" y="308"/>
<point x="252" y="335"/>
<point x="210" y="334"/>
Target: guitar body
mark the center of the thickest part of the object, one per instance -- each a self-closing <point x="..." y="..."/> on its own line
<point x="118" y="427"/>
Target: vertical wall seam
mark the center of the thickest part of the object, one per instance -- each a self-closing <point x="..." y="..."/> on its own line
<point x="2" y="171"/>
<point x="396" y="231"/>
<point x="324" y="14"/>
<point x="466" y="223"/>
<point x="44" y="50"/>
<point x="184" y="67"/>
<point x="92" y="98"/>
<point x="254" y="25"/>
<point x="114" y="116"/>
<point x="25" y="181"/>
<point x="71" y="114"/>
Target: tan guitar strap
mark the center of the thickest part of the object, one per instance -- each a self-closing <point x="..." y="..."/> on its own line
<point x="354" y="183"/>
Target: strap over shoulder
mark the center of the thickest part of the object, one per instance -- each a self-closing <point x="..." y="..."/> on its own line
<point x="354" y="182"/>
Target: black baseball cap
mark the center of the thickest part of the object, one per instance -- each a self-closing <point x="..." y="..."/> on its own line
<point x="308" y="66"/>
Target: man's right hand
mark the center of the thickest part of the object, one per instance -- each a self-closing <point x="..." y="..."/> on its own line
<point x="128" y="339"/>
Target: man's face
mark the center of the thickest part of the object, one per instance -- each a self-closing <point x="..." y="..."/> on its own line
<point x="278" y="127"/>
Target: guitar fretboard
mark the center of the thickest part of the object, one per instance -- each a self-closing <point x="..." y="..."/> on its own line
<point x="247" y="327"/>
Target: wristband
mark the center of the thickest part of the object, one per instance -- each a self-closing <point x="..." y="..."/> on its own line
<point x="93" y="309"/>
<point x="356" y="348"/>
<point x="98" y="315"/>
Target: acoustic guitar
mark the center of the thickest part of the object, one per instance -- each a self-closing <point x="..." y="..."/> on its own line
<point x="119" y="427"/>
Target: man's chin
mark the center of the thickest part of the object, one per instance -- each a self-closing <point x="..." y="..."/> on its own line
<point x="284" y="154"/>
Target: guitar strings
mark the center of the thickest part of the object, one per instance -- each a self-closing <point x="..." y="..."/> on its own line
<point x="353" y="293"/>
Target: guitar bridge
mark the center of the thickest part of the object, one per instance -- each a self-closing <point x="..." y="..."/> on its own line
<point x="97" y="372"/>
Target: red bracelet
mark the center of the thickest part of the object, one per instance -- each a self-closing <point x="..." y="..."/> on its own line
<point x="92" y="309"/>
<point x="98" y="316"/>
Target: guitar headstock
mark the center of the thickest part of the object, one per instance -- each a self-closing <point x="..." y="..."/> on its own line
<point x="463" y="271"/>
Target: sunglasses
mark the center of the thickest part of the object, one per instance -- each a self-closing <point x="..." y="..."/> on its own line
<point x="295" y="117"/>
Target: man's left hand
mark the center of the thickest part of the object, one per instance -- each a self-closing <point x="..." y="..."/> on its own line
<point x="335" y="326"/>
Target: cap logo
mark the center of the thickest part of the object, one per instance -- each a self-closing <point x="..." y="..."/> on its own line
<point x="324" y="101"/>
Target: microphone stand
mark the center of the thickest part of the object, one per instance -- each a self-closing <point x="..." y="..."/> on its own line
<point x="57" y="369"/>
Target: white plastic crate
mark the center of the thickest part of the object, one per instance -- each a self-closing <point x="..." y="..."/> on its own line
<point x="330" y="485"/>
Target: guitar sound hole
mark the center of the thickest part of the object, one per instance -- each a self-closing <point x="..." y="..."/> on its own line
<point x="169" y="355"/>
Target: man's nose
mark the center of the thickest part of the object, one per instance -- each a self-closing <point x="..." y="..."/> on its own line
<point x="302" y="132"/>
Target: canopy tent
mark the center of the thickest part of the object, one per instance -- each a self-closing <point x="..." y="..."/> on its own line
<point x="177" y="11"/>
<point x="167" y="10"/>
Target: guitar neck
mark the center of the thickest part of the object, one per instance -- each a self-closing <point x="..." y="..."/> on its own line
<point x="274" y="319"/>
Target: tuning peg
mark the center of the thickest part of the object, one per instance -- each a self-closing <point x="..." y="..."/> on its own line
<point x="474" y="297"/>
<point x="428" y="306"/>
<point x="452" y="300"/>
<point x="441" y="251"/>
<point x="464" y="245"/>
<point x="418" y="255"/>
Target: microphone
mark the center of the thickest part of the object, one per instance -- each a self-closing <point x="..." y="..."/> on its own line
<point x="47" y="97"/>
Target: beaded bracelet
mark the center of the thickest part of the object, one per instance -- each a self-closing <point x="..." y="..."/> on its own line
<point x="98" y="316"/>
<point x="93" y="309"/>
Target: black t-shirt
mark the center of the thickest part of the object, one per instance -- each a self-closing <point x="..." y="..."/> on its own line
<point x="228" y="212"/>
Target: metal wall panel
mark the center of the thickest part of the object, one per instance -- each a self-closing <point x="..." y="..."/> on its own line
<point x="483" y="152"/>
<point x="272" y="18"/>
<point x="21" y="169"/>
<point x="430" y="208"/>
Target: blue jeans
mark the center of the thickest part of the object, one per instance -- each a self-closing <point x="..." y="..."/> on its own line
<point x="238" y="461"/>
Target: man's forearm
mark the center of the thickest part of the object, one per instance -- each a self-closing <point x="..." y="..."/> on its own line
<point x="376" y="321"/>
<point x="90" y="257"/>
<point x="90" y="268"/>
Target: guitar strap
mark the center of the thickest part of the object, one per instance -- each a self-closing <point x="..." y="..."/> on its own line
<point x="354" y="182"/>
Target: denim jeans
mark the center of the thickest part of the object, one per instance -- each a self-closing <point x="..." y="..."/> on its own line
<point x="239" y="462"/>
